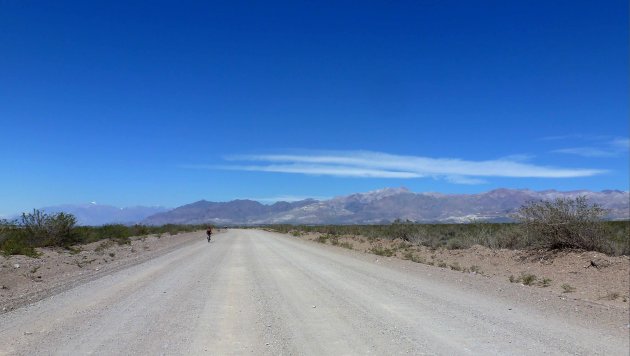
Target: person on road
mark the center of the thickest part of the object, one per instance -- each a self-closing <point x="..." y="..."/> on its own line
<point x="209" y="232"/>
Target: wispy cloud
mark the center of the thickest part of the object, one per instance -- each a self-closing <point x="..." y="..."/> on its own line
<point x="581" y="137"/>
<point x="367" y="164"/>
<point x="587" y="152"/>
<point x="327" y="170"/>
<point x="610" y="147"/>
<point x="562" y="137"/>
<point x="621" y="143"/>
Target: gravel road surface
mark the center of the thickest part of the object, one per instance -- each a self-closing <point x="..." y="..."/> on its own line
<point x="255" y="292"/>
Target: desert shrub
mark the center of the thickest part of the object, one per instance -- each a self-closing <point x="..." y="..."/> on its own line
<point x="17" y="245"/>
<point x="346" y="245"/>
<point x="545" y="282"/>
<point x="618" y="236"/>
<point x="380" y="251"/>
<point x="37" y="229"/>
<point x="43" y="229"/>
<point x="413" y="258"/>
<point x="401" y="229"/>
<point x="139" y="230"/>
<point x="455" y="244"/>
<point x="564" y="223"/>
<point x="528" y="279"/>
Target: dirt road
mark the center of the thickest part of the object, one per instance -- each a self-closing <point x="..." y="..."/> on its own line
<point x="254" y="292"/>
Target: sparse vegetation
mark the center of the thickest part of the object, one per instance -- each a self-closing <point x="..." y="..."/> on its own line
<point x="104" y="246"/>
<point x="413" y="258"/>
<point x="17" y="246"/>
<point x="560" y="224"/>
<point x="346" y="245"/>
<point x="381" y="251"/>
<point x="39" y="229"/>
<point x="455" y="244"/>
<point x="611" y="296"/>
<point x="73" y="250"/>
<point x="528" y="279"/>
<point x="545" y="282"/>
<point x="567" y="288"/>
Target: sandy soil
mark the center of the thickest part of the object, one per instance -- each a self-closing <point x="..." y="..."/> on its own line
<point x="261" y="293"/>
<point x="25" y="280"/>
<point x="588" y="276"/>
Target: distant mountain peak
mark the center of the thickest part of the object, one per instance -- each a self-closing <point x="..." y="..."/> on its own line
<point x="375" y="194"/>
<point x="390" y="191"/>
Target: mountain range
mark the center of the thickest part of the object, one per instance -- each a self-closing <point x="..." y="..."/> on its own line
<point x="97" y="214"/>
<point x="383" y="206"/>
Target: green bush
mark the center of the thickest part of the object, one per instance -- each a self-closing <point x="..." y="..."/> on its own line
<point x="564" y="223"/>
<point x="18" y="246"/>
<point x="43" y="229"/>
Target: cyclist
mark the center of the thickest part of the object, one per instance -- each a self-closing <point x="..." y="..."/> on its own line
<point x="209" y="232"/>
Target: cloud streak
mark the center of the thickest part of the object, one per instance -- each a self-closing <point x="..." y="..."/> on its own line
<point x="367" y="164"/>
<point x="328" y="170"/>
<point x="587" y="152"/>
<point x="610" y="148"/>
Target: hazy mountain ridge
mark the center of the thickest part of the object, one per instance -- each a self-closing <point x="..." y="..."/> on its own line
<point x="240" y="211"/>
<point x="382" y="206"/>
<point x="97" y="214"/>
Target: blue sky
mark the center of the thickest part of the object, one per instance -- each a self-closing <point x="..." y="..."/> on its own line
<point x="165" y="103"/>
